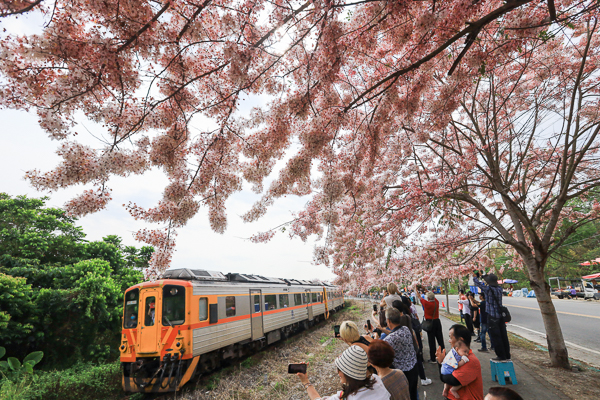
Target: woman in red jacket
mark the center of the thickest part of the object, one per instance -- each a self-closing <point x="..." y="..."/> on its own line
<point x="431" y="308"/>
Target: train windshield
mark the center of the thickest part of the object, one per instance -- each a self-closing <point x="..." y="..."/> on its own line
<point x="130" y="319"/>
<point x="173" y="308"/>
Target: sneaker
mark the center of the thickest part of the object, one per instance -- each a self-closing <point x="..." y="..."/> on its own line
<point x="483" y="350"/>
<point x="432" y="362"/>
<point x="425" y="382"/>
<point x="477" y="340"/>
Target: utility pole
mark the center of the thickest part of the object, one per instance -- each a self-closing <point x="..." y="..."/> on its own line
<point x="447" y="301"/>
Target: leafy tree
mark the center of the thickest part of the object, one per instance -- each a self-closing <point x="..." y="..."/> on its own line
<point x="58" y="292"/>
<point x="30" y="230"/>
<point x="80" y="314"/>
<point x="583" y="244"/>
<point x="17" y="311"/>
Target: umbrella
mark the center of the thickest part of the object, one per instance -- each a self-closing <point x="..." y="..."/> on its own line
<point x="593" y="276"/>
<point x="511" y="281"/>
<point x="596" y="261"/>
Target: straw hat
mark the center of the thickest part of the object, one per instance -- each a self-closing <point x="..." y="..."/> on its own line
<point x="353" y="363"/>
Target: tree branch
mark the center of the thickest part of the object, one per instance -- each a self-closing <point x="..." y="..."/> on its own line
<point x="477" y="25"/>
<point x="144" y="28"/>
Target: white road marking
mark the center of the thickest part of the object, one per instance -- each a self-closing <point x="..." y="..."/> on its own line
<point x="558" y="312"/>
<point x="570" y="344"/>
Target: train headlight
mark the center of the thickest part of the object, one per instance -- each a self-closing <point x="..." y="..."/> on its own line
<point x="123" y="348"/>
<point x="178" y="344"/>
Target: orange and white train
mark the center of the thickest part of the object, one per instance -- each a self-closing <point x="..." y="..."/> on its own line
<point x="191" y="321"/>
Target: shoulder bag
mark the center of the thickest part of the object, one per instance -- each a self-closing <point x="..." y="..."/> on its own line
<point x="427" y="325"/>
<point x="504" y="313"/>
<point x="416" y="324"/>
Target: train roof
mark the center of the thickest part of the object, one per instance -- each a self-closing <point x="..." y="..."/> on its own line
<point x="216" y="276"/>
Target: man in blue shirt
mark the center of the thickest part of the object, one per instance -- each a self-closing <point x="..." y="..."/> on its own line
<point x="496" y="326"/>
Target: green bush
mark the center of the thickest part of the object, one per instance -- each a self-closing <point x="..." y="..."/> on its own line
<point x="81" y="382"/>
<point x="60" y="293"/>
<point x="10" y="390"/>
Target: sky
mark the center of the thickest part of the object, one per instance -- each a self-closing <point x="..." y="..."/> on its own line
<point x="24" y="146"/>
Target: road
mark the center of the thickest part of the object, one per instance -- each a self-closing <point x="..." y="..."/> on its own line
<point x="579" y="321"/>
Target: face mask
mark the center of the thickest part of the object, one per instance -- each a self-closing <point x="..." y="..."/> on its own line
<point x="133" y="317"/>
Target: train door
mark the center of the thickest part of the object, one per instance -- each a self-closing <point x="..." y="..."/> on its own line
<point x="149" y="327"/>
<point x="256" y="314"/>
<point x="326" y="303"/>
<point x="309" y="305"/>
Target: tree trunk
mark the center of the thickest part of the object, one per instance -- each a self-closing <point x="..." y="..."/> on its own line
<point x="559" y="356"/>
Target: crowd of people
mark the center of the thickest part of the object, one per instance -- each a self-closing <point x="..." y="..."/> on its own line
<point x="387" y="361"/>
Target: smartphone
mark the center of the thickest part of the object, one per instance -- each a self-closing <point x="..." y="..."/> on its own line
<point x="369" y="324"/>
<point x="295" y="368"/>
<point x="375" y="307"/>
<point x="336" y="331"/>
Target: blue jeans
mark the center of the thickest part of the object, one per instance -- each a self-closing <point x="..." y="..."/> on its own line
<point x="483" y="330"/>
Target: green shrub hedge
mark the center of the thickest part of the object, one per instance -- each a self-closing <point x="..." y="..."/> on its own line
<point x="81" y="382"/>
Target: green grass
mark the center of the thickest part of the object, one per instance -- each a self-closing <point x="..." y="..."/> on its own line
<point x="249" y="362"/>
<point x="518" y="341"/>
<point x="324" y="339"/>
<point x="83" y="381"/>
<point x="453" y="317"/>
<point x="215" y="378"/>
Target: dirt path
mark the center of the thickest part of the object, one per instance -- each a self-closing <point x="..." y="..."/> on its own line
<point x="264" y="375"/>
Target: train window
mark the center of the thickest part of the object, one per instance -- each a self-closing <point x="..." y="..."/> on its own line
<point x="230" y="306"/>
<point x="297" y="299"/>
<point x="270" y="302"/>
<point x="130" y="319"/>
<point x="173" y="307"/>
<point x="256" y="303"/>
<point x="305" y="300"/>
<point x="203" y="309"/>
<point x="150" y="311"/>
<point x="314" y="297"/>
<point x="319" y="298"/>
<point x="284" y="301"/>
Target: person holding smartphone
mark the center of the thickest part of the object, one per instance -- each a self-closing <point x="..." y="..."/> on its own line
<point x="349" y="334"/>
<point x="356" y="384"/>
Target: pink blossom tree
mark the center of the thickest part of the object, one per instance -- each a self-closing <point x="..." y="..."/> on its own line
<point x="364" y="87"/>
<point x="498" y="161"/>
<point x="145" y="71"/>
